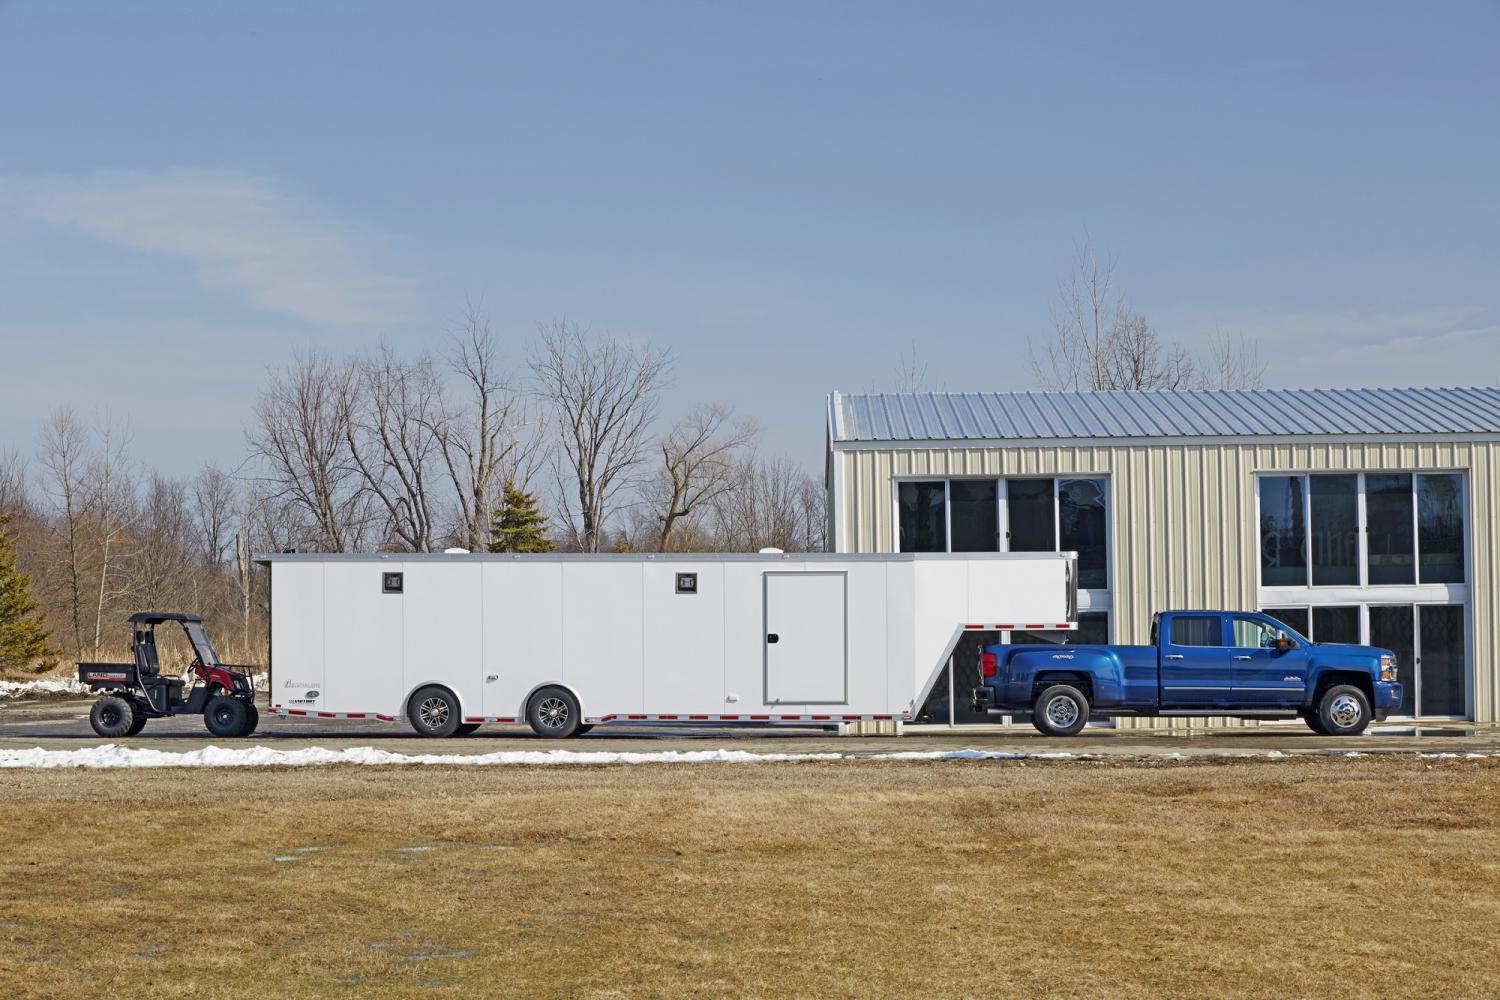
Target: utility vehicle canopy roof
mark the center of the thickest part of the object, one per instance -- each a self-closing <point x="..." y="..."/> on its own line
<point x="157" y="617"/>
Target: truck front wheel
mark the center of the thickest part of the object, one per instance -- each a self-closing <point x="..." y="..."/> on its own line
<point x="1060" y="710"/>
<point x="1343" y="711"/>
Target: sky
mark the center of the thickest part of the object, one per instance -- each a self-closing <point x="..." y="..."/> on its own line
<point x="790" y="196"/>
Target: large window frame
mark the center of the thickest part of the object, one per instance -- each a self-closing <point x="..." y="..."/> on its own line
<point x="1362" y="529"/>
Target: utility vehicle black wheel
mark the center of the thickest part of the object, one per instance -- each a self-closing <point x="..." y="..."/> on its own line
<point x="112" y="717"/>
<point x="226" y="716"/>
<point x="434" y="712"/>
<point x="252" y="718"/>
<point x="554" y="712"/>
<point x="1343" y="711"/>
<point x="138" y="723"/>
<point x="1060" y="710"/>
<point x="466" y="728"/>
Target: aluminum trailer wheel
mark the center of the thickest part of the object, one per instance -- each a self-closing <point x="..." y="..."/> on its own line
<point x="553" y="712"/>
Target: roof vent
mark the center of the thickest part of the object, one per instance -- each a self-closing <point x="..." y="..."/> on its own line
<point x="772" y="551"/>
<point x="455" y="552"/>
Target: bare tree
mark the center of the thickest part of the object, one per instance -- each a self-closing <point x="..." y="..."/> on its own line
<point x="488" y="439"/>
<point x="911" y="373"/>
<point x="64" y="455"/>
<point x="1102" y="344"/>
<point x="394" y="422"/>
<point x="162" y="573"/>
<point x="602" y="393"/>
<point x="1233" y="363"/>
<point x="213" y="510"/>
<point x="301" y="434"/>
<point x="775" y="504"/>
<point x="697" y="468"/>
<point x="111" y="494"/>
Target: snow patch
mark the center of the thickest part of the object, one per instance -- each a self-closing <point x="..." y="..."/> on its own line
<point x="43" y="686"/>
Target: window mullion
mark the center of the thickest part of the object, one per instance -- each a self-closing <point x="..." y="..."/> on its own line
<point x="1307" y="528"/>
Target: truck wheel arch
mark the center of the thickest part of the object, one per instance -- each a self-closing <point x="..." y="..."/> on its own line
<point x="1332" y="676"/>
<point x="1074" y="678"/>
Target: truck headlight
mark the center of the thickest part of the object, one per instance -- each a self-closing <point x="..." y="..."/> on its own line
<point x="1387" y="668"/>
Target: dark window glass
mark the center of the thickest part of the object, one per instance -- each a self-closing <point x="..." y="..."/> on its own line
<point x="1443" y="670"/>
<point x="1335" y="529"/>
<point x="974" y="511"/>
<point x="1293" y="618"/>
<point x="1389" y="518"/>
<point x="1198" y="631"/>
<point x="1283" y="532"/>
<point x="1335" y="625"/>
<point x="1081" y="520"/>
<point x="1391" y="628"/>
<point x="1093" y="630"/>
<point x="922" y="524"/>
<point x="1440" y="528"/>
<point x="1029" y="504"/>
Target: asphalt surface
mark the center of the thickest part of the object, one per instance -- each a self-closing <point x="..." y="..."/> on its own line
<point x="62" y="724"/>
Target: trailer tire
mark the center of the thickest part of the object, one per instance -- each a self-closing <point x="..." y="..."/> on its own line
<point x="112" y="717"/>
<point x="225" y="716"/>
<point x="553" y="712"/>
<point x="1343" y="711"/>
<point x="1060" y="710"/>
<point x="433" y="712"/>
<point x="466" y="729"/>
<point x="583" y="728"/>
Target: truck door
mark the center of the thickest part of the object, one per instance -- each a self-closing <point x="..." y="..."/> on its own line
<point x="1262" y="674"/>
<point x="806" y="638"/>
<point x="1195" y="669"/>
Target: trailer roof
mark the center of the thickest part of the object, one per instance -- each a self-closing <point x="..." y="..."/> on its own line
<point x="266" y="558"/>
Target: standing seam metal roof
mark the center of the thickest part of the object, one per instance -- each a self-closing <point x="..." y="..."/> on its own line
<point x="945" y="416"/>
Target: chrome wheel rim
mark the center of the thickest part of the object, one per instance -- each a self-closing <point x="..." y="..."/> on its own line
<point x="1344" y="711"/>
<point x="552" y="713"/>
<point x="433" y="712"/>
<point x="1062" y="712"/>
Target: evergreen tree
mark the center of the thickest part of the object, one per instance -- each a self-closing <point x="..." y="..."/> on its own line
<point x="519" y="525"/>
<point x="23" y="631"/>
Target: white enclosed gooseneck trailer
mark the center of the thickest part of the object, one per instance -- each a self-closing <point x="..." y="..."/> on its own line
<point x="563" y="642"/>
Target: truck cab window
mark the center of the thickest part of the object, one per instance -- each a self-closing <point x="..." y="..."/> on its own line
<point x="1197" y="630"/>
<point x="1252" y="633"/>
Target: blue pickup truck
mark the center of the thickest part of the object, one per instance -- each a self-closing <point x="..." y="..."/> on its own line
<point x="1220" y="663"/>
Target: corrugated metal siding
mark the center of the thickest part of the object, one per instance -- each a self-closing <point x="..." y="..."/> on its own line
<point x="1182" y="521"/>
<point x="941" y="416"/>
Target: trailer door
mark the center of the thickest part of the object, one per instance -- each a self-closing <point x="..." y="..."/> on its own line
<point x="806" y="638"/>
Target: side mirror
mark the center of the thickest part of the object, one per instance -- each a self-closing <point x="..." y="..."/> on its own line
<point x="1283" y="644"/>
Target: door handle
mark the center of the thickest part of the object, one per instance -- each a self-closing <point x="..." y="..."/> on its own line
<point x="1242" y="657"/>
<point x="773" y="638"/>
<point x="1174" y="656"/>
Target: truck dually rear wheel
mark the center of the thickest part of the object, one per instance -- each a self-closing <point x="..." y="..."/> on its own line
<point x="1060" y="710"/>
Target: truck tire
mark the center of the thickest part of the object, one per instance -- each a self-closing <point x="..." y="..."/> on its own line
<point x="1060" y="710"/>
<point x="466" y="729"/>
<point x="1343" y="711"/>
<point x="112" y="717"/>
<point x="553" y="712"/>
<point x="1314" y="723"/>
<point x="225" y="716"/>
<point x="433" y="712"/>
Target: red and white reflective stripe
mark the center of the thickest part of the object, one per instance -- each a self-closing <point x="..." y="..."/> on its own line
<point x="489" y="718"/>
<point x="1063" y="627"/>
<point x="739" y="718"/>
<point x="313" y="714"/>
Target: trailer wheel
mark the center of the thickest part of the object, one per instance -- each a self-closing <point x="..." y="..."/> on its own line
<point x="554" y="712"/>
<point x="1061" y="710"/>
<point x="434" y="712"/>
<point x="112" y="717"/>
<point x="466" y="729"/>
<point x="585" y="727"/>
<point x="226" y="716"/>
<point x="1343" y="711"/>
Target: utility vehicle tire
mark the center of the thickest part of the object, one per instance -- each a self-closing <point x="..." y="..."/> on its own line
<point x="466" y="729"/>
<point x="112" y="717"/>
<point x="226" y="716"/>
<point x="434" y="712"/>
<point x="1343" y="711"/>
<point x="252" y="718"/>
<point x="553" y="712"/>
<point x="138" y="723"/>
<point x="1060" y="710"/>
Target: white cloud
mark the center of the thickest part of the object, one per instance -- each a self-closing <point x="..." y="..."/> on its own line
<point x="241" y="233"/>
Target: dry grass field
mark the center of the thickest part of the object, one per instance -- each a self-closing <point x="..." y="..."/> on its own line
<point x="1374" y="877"/>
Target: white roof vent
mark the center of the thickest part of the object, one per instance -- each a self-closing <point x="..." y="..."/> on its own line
<point x="772" y="551"/>
<point x="455" y="552"/>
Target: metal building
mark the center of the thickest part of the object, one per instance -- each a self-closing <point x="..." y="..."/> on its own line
<point x="1354" y="515"/>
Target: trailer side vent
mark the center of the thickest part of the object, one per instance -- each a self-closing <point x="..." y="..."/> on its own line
<point x="687" y="583"/>
<point x="390" y="583"/>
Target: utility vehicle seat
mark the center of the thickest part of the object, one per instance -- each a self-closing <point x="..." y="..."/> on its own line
<point x="146" y="664"/>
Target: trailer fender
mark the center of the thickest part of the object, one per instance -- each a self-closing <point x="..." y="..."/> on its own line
<point x="583" y="709"/>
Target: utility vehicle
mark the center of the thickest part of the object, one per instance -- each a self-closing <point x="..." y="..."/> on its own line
<point x="134" y="692"/>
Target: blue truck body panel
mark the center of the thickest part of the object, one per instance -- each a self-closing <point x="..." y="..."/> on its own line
<point x="1223" y="662"/>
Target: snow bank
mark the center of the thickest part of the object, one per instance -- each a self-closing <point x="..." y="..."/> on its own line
<point x="113" y="756"/>
<point x="42" y="686"/>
